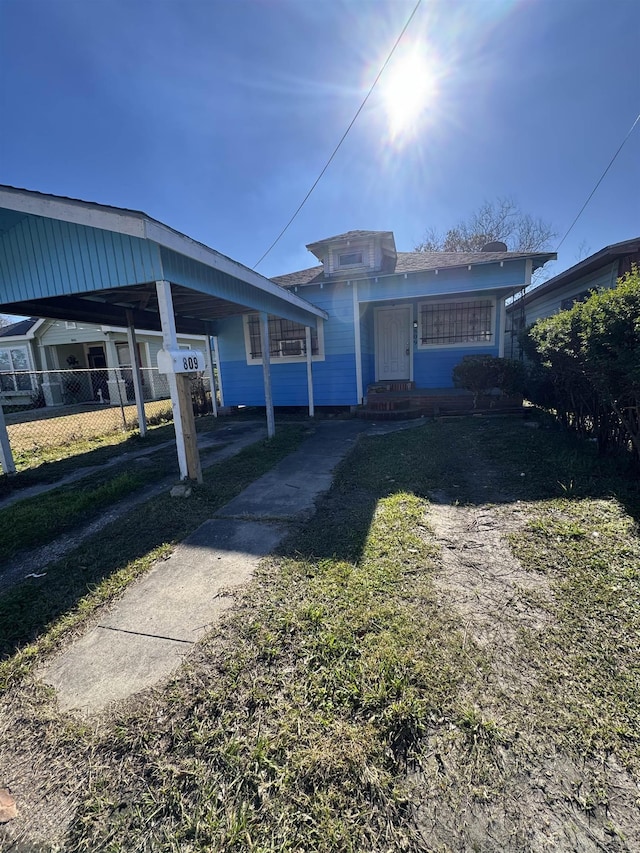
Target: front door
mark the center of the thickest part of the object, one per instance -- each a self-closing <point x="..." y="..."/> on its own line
<point x="393" y="343"/>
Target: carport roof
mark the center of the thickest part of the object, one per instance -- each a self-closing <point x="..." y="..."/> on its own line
<point x="76" y="260"/>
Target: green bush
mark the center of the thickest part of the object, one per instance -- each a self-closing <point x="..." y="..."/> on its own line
<point x="481" y="374"/>
<point x="585" y="365"/>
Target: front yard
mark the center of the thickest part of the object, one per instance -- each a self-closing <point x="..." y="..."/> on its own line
<point x="443" y="659"/>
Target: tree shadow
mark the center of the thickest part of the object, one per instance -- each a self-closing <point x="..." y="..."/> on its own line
<point x="468" y="461"/>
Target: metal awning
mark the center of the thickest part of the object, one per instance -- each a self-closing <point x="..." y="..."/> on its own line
<point x="75" y="260"/>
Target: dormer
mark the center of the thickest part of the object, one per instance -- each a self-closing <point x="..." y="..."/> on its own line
<point x="356" y="253"/>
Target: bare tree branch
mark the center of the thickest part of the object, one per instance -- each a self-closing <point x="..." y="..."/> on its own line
<point x="501" y="220"/>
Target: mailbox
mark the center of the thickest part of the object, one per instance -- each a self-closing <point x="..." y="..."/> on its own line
<point x="180" y="361"/>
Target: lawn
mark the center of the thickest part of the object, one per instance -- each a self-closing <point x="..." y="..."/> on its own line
<point x="443" y="659"/>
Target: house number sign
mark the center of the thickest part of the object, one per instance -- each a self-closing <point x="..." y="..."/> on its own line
<point x="180" y="361"/>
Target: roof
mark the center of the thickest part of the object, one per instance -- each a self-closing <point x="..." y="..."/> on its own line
<point x="414" y="262"/>
<point x="19" y="328"/>
<point x="350" y="235"/>
<point x="206" y="285"/>
<point x="588" y="265"/>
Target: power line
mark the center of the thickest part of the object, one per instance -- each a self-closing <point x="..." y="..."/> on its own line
<point x="344" y="136"/>
<point x="591" y="194"/>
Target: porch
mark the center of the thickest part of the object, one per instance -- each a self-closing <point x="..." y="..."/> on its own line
<point x="400" y="400"/>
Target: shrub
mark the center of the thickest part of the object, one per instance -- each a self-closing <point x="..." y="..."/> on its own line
<point x="585" y="365"/>
<point x="483" y="373"/>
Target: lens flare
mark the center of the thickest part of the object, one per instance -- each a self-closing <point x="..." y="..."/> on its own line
<point x="408" y="91"/>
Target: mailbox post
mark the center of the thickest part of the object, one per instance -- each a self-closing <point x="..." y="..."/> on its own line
<point x="180" y="365"/>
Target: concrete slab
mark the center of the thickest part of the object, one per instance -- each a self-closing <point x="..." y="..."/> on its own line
<point x="181" y="597"/>
<point x="150" y="630"/>
<point x="289" y="491"/>
<point x="146" y="634"/>
<point x="107" y="666"/>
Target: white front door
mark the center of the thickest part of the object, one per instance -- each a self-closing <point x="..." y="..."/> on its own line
<point x="393" y="343"/>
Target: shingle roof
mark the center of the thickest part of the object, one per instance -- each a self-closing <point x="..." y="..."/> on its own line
<point x="19" y="328"/>
<point x="350" y="235"/>
<point x="412" y="262"/>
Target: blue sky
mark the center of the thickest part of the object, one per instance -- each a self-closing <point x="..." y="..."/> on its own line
<point x="215" y="116"/>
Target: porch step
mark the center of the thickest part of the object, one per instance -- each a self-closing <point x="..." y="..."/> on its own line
<point x="418" y="403"/>
<point x="392" y="386"/>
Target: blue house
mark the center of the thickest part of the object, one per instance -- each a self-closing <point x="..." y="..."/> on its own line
<point x="399" y="318"/>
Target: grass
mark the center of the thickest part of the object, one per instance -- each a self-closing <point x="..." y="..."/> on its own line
<point x="41" y="519"/>
<point x="343" y="698"/>
<point x="49" y="463"/>
<point x="294" y="741"/>
<point x="37" y="614"/>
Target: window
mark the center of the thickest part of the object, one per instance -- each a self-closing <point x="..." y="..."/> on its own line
<point x="70" y="324"/>
<point x="287" y="340"/>
<point x="14" y="370"/>
<point x="351" y="259"/>
<point x="566" y="304"/>
<point x="450" y="323"/>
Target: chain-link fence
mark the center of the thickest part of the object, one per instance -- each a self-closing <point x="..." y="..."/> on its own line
<point x="54" y="413"/>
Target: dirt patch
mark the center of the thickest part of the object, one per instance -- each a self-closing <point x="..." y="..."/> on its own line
<point x="492" y="782"/>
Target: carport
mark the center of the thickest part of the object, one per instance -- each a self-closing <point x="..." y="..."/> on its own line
<point x="74" y="260"/>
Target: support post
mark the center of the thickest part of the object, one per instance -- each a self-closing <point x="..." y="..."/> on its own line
<point x="307" y="334"/>
<point x="135" y="371"/>
<point x="357" y="343"/>
<point x="212" y="375"/>
<point x="216" y="354"/>
<point x="188" y="422"/>
<point x="265" y="347"/>
<point x="6" y="456"/>
<point x="180" y="400"/>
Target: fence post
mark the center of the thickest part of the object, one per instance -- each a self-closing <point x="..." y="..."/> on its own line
<point x="6" y="457"/>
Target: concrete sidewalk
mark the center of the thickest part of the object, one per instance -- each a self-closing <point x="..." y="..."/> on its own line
<point x="147" y="633"/>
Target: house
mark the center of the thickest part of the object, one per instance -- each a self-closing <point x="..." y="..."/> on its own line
<point x="392" y="317"/>
<point x="74" y="362"/>
<point x="599" y="271"/>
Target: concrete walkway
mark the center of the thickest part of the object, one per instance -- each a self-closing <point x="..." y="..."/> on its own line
<point x="147" y="633"/>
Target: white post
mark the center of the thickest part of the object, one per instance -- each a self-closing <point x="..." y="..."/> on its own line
<point x="170" y="341"/>
<point x="135" y="371"/>
<point x="265" y="346"/>
<point x="6" y="457"/>
<point x="307" y="334"/>
<point x="216" y="354"/>
<point x="212" y="376"/>
<point x="115" y="383"/>
<point x="357" y="343"/>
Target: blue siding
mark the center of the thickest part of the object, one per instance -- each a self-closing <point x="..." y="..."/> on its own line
<point x="433" y="368"/>
<point x="42" y="257"/>
<point x="335" y="377"/>
<point x="333" y="383"/>
<point x="446" y="282"/>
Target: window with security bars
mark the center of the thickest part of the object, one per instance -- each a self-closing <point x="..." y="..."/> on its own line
<point x="456" y="322"/>
<point x="286" y="339"/>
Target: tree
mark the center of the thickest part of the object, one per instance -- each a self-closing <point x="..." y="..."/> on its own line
<point x="502" y="220"/>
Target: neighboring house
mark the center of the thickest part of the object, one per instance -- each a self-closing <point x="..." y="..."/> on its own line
<point x="78" y="362"/>
<point x="597" y="272"/>
<point x="393" y="316"/>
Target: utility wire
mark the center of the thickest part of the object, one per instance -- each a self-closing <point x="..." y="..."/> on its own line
<point x="592" y="193"/>
<point x="344" y="136"/>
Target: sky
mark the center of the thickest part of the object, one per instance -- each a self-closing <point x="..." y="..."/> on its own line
<point x="216" y="116"/>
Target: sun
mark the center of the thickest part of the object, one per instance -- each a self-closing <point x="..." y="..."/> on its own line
<point x="408" y="88"/>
